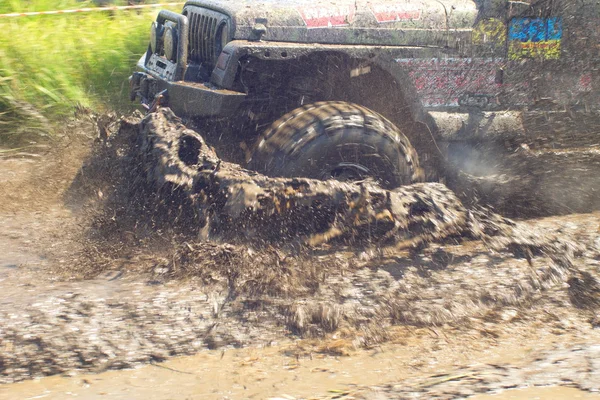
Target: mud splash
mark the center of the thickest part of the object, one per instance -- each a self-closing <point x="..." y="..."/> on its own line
<point x="532" y="182"/>
<point x="189" y="252"/>
<point x="578" y="369"/>
<point x="422" y="364"/>
<point x="171" y="174"/>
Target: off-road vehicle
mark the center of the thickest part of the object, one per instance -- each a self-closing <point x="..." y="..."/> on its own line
<point x="351" y="89"/>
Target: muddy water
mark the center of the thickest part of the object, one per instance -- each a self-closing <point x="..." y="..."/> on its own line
<point x="135" y="319"/>
<point x="546" y="393"/>
<point x="420" y="358"/>
<point x="248" y="373"/>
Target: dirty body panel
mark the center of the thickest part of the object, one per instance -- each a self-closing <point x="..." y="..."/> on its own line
<point x="466" y="69"/>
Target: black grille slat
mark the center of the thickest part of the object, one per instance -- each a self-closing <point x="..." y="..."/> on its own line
<point x="197" y="34"/>
<point x="205" y="38"/>
<point x="199" y="37"/>
<point x="203" y="35"/>
<point x="213" y="38"/>
<point x="193" y="27"/>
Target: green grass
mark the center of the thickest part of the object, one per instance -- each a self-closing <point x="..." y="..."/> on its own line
<point x="51" y="64"/>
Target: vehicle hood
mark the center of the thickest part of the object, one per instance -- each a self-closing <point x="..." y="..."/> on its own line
<point x="380" y="22"/>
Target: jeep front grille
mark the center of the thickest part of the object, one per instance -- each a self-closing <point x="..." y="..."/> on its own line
<point x="203" y="36"/>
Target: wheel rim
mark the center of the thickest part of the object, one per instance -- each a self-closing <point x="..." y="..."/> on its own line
<point x="347" y="172"/>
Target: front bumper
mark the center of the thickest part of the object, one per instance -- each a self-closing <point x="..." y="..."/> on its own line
<point x="186" y="99"/>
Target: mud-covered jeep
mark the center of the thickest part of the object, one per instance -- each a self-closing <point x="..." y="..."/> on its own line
<point x="356" y="88"/>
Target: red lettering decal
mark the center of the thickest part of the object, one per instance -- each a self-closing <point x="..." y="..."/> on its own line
<point x="394" y="12"/>
<point x="319" y="17"/>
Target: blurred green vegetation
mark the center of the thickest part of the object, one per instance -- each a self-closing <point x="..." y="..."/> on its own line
<point x="51" y="64"/>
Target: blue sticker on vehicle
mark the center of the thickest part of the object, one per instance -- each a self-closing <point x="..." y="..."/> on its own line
<point x="535" y="38"/>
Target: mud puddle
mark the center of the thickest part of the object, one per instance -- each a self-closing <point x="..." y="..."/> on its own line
<point x="423" y="363"/>
<point x="246" y="373"/>
<point x="110" y="283"/>
<point x="547" y="393"/>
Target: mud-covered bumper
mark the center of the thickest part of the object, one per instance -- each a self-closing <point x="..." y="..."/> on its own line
<point x="186" y="99"/>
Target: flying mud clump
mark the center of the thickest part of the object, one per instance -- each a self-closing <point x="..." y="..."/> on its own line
<point x="305" y="240"/>
<point x="158" y="176"/>
<point x="234" y="200"/>
<point x="154" y="174"/>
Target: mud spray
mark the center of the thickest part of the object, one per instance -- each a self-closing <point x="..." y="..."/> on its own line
<point x="266" y="256"/>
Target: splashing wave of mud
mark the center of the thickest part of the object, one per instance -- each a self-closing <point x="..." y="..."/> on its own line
<point x="309" y="257"/>
<point x="298" y="239"/>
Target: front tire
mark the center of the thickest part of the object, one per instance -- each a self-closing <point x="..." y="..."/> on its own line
<point x="337" y="140"/>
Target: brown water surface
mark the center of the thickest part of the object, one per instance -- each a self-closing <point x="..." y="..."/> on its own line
<point x="259" y="373"/>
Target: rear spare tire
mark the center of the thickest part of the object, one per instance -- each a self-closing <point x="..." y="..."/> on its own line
<point x="336" y="140"/>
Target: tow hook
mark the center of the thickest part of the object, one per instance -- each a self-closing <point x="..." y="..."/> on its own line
<point x="159" y="100"/>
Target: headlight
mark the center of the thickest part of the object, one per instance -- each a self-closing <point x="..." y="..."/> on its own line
<point x="222" y="38"/>
<point x="154" y="35"/>
<point x="170" y="43"/>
